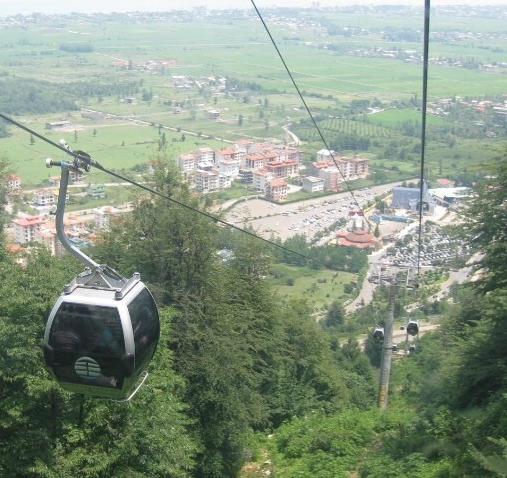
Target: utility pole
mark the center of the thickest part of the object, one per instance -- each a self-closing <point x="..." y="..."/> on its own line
<point x="387" y="348"/>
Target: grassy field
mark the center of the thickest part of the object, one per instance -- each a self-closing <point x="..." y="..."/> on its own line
<point x="318" y="288"/>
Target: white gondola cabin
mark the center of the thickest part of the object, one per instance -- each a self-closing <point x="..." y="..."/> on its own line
<point x="412" y="327"/>
<point x="99" y="339"/>
<point x="378" y="333"/>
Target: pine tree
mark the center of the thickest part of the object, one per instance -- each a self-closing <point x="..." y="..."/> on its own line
<point x="486" y="225"/>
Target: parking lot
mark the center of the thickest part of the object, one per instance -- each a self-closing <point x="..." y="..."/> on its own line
<point x="305" y="217"/>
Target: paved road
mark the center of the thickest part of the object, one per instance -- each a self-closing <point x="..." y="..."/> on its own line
<point x="365" y="295"/>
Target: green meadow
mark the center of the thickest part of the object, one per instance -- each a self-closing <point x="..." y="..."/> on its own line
<point x="319" y="288"/>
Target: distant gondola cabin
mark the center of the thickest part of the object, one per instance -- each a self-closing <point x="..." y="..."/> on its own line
<point x="412" y="327"/>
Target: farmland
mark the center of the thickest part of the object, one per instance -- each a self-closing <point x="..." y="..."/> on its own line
<point x="339" y="75"/>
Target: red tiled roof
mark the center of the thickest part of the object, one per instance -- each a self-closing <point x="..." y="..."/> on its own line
<point x="357" y="238"/>
<point x="445" y="182"/>
<point x="29" y="221"/>
<point x="279" y="182"/>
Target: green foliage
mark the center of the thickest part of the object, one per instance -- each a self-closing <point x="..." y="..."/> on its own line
<point x="450" y="397"/>
<point x="496" y="463"/>
<point x="479" y="360"/>
<point x="322" y="446"/>
<point x="22" y="96"/>
<point x="486" y="224"/>
<point x="335" y="315"/>
<point x="31" y="96"/>
<point x="247" y="359"/>
<point x="350" y="259"/>
<point x="77" y="436"/>
<point x="4" y="180"/>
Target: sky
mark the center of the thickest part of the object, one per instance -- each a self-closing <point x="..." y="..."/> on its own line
<point x="90" y="6"/>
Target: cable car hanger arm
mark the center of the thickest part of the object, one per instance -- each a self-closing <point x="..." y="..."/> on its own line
<point x="101" y="275"/>
<point x="60" y="209"/>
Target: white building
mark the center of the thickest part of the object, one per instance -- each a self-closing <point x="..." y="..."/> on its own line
<point x="49" y="238"/>
<point x="311" y="184"/>
<point x="261" y="179"/>
<point x="326" y="154"/>
<point x="204" y="154"/>
<point x="207" y="181"/>
<point x="45" y="197"/>
<point x="229" y="167"/>
<point x="187" y="163"/>
<point x="102" y="217"/>
<point x="25" y="229"/>
<point x="14" y="182"/>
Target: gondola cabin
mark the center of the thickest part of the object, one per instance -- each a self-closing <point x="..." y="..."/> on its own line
<point x="378" y="333"/>
<point x="100" y="338"/>
<point x="412" y="327"/>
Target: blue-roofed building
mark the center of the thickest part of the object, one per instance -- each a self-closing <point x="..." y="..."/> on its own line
<point x="408" y="198"/>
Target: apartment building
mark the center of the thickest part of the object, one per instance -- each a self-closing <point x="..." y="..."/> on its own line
<point x="25" y="229"/>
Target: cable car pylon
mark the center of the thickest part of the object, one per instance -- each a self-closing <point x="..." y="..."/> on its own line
<point x="387" y="349"/>
<point x="103" y="329"/>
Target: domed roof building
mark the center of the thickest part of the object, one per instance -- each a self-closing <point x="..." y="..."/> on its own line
<point x="357" y="238"/>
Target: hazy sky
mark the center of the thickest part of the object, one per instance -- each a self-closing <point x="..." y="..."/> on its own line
<point x="89" y="6"/>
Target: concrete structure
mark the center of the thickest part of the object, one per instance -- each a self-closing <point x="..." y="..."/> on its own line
<point x="239" y="161"/>
<point x="204" y="154"/>
<point x="409" y="198"/>
<point x="229" y="167"/>
<point x="246" y="176"/>
<point x="449" y="196"/>
<point x="214" y="114"/>
<point x="276" y="189"/>
<point x="261" y="178"/>
<point x="58" y="124"/>
<point x="283" y="169"/>
<point x="187" y="163"/>
<point x="45" y="197"/>
<point x="311" y="184"/>
<point x="96" y="191"/>
<point x="102" y="217"/>
<point x="25" y="229"/>
<point x="335" y="170"/>
<point x="254" y="161"/>
<point x="332" y="178"/>
<point x="231" y="153"/>
<point x="326" y="155"/>
<point x="14" y="182"/>
<point x="49" y="239"/>
<point x="206" y="181"/>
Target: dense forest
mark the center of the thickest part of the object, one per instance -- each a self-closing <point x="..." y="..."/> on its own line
<point x="241" y="375"/>
<point x="29" y="96"/>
